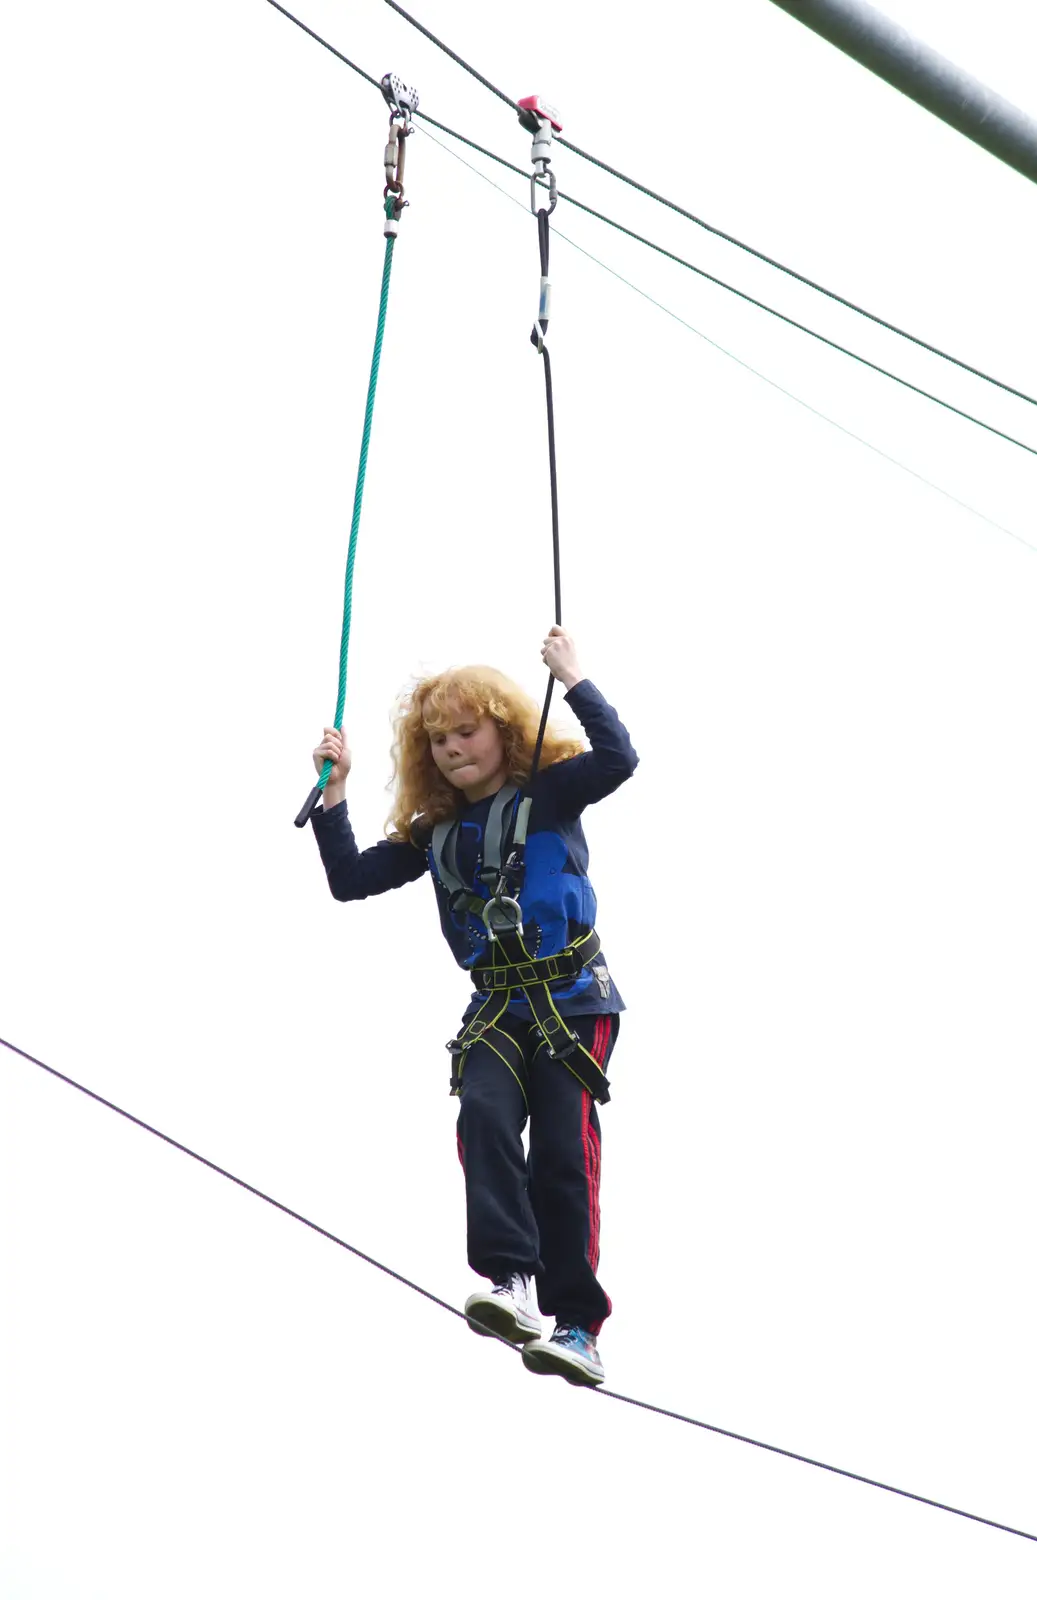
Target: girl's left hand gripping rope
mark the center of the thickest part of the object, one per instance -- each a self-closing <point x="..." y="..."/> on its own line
<point x="402" y="103"/>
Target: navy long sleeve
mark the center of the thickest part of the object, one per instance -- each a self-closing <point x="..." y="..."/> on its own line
<point x="599" y="771"/>
<point x="354" y="874"/>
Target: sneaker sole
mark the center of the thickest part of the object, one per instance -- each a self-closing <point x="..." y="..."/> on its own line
<point x="489" y="1318"/>
<point x="548" y="1361"/>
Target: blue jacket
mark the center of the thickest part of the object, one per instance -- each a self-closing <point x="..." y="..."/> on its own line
<point x="557" y="899"/>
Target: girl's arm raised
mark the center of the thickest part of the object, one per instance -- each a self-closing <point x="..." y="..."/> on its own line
<point x="611" y="758"/>
<point x="600" y="770"/>
<point x="354" y="874"/>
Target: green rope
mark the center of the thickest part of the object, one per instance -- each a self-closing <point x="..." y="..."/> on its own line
<point x="358" y="496"/>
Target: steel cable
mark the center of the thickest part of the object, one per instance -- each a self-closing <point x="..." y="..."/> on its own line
<point x="719" y="233"/>
<point x="701" y="272"/>
<point x="643" y="1405"/>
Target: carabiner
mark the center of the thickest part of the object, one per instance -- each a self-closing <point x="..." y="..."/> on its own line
<point x="511" y="924"/>
<point x="395" y="157"/>
<point x="552" y="189"/>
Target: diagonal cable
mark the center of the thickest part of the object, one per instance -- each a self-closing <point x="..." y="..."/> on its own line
<point x="721" y="283"/>
<point x="809" y="1461"/>
<point x="644" y="1405"/>
<point x="719" y="233"/>
<point x="745" y="365"/>
<point x="222" y="1172"/>
<point x="337" y="53"/>
<point x="761" y="305"/>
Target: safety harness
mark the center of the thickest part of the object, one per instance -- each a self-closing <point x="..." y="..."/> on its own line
<point x="512" y="970"/>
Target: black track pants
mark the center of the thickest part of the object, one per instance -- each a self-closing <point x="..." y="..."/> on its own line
<point x="541" y="1216"/>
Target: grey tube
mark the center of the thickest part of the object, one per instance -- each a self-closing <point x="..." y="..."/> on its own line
<point x="888" y="50"/>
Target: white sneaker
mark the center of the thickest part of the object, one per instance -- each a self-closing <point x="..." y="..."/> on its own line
<point x="506" y="1310"/>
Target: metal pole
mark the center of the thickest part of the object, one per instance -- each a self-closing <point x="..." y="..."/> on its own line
<point x="888" y="50"/>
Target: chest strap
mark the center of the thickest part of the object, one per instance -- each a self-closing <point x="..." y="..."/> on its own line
<point x="445" y="836"/>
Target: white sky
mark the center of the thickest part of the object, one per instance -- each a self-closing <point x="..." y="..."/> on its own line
<point x="819" y="1192"/>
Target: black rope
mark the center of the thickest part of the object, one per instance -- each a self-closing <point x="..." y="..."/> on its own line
<point x="537" y="339"/>
<point x="544" y="241"/>
<point x="552" y="459"/>
<point x="710" y="277"/>
<point x="810" y="1461"/>
<point x="186" y="1150"/>
<point x="643" y="1405"/>
<point x="729" y="238"/>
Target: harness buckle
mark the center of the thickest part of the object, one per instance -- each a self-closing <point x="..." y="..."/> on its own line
<point x="548" y="1029"/>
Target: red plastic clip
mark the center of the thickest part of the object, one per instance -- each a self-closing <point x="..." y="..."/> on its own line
<point x="532" y="109"/>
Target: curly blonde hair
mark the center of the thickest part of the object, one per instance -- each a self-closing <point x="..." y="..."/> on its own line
<point x="437" y="703"/>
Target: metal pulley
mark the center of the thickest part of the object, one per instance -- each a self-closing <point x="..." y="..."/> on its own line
<point x="543" y="122"/>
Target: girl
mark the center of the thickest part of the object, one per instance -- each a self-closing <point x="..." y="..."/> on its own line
<point x="538" y="1033"/>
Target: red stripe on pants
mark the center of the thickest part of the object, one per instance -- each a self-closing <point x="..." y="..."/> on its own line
<point x="592" y="1147"/>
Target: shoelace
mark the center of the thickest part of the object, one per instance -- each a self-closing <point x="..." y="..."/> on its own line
<point x="513" y="1285"/>
<point x="566" y="1333"/>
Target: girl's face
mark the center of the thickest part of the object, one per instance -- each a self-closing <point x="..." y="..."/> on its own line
<point x="470" y="755"/>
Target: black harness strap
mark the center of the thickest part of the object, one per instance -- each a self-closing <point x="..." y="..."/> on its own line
<point x="567" y="964"/>
<point x="500" y="1041"/>
<point x="563" y="1043"/>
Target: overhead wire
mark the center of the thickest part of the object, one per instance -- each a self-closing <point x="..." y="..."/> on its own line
<point x="772" y="383"/>
<point x="761" y="305"/>
<point x="325" y="42"/>
<point x="719" y="233"/>
<point x="682" y="261"/>
<point x="612" y="1394"/>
